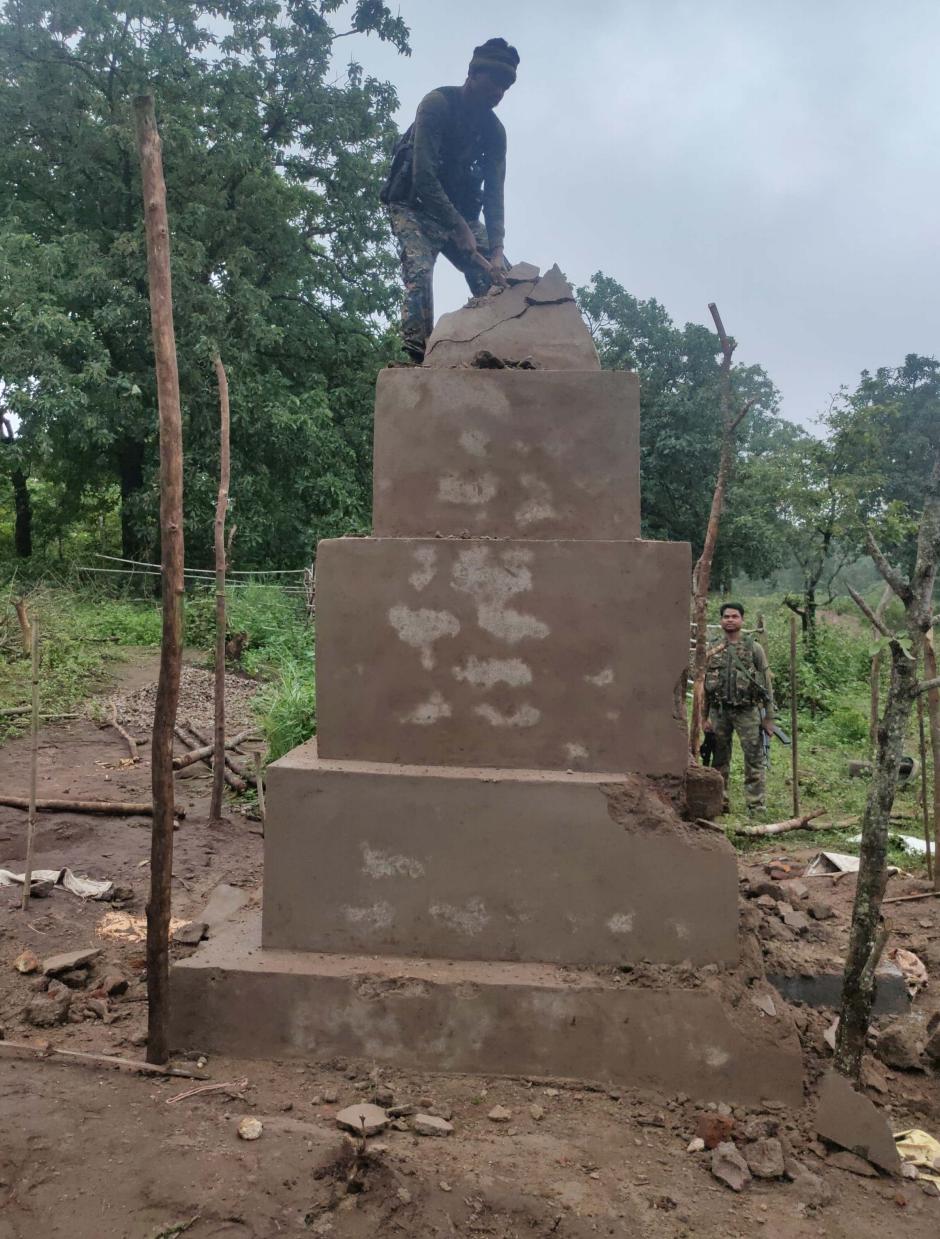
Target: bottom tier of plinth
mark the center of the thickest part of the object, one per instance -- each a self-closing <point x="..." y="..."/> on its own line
<point x="234" y="997"/>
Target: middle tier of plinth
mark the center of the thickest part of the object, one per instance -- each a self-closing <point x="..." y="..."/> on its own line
<point x="555" y="655"/>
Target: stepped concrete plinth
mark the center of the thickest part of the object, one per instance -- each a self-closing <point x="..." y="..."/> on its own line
<point x="366" y="858"/>
<point x="507" y="454"/>
<point x="484" y="862"/>
<point x="531" y="1019"/>
<point x="473" y="652"/>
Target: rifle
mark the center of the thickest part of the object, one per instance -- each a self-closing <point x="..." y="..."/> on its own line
<point x="765" y="738"/>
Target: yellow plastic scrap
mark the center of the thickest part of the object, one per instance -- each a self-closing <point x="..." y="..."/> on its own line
<point x="921" y="1150"/>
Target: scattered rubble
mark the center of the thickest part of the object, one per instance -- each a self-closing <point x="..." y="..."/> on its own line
<point x="714" y="1128"/>
<point x="26" y="962"/>
<point x="191" y="933"/>
<point x="431" y="1125"/>
<point x="729" y="1167"/>
<point x="846" y="1118"/>
<point x="765" y="1158"/>
<point x="499" y="1114"/>
<point x="902" y="1042"/>
<point x="250" y="1128"/>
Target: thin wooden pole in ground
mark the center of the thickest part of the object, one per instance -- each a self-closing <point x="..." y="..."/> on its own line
<point x="33" y="757"/>
<point x="922" y="737"/>
<point x="794" y="760"/>
<point x="218" y="758"/>
<point x="259" y="783"/>
<point x="933" y="714"/>
<point x="171" y="558"/>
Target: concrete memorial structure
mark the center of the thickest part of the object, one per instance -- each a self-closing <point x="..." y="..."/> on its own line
<point x="492" y="813"/>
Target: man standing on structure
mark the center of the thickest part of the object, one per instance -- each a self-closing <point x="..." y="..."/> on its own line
<point x="739" y="698"/>
<point x="448" y="167"/>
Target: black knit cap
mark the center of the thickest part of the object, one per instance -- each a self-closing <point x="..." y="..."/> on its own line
<point x="497" y="57"/>
<point x="731" y="606"/>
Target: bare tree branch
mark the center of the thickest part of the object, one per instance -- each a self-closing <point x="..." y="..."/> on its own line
<point x="891" y="575"/>
<point x="927" y="686"/>
<point x="875" y="620"/>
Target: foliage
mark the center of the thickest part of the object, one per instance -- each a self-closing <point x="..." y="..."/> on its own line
<point x="680" y="429"/>
<point x="273" y="155"/>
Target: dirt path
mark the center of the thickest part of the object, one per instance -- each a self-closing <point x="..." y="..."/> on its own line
<point x="87" y="1153"/>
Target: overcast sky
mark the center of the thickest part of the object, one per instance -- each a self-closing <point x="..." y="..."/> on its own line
<point x="779" y="157"/>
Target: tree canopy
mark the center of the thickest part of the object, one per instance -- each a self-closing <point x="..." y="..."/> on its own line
<point x="273" y="154"/>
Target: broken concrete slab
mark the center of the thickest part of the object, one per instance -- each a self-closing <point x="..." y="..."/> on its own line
<point x="522" y="273"/>
<point x="552" y="287"/>
<point x="824" y="989"/>
<point x="431" y="1125"/>
<point x="223" y="903"/>
<point x="70" y="959"/>
<point x="380" y="858"/>
<point x="363" y="1119"/>
<point x="490" y="1018"/>
<point x="478" y="652"/>
<point x="846" y="1118"/>
<point x="515" y="324"/>
<point x="764" y="1158"/>
<point x="506" y="453"/>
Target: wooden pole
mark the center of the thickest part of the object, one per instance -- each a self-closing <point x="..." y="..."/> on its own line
<point x="259" y="783"/>
<point x="171" y="559"/>
<point x="794" y="761"/>
<point x="33" y="757"/>
<point x="925" y="811"/>
<point x="933" y="714"/>
<point x="218" y="765"/>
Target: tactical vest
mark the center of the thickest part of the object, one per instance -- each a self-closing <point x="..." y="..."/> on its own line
<point x="732" y="675"/>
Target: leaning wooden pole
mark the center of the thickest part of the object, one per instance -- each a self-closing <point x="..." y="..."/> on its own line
<point x="171" y="558"/>
<point x="933" y="715"/>
<point x="33" y="757"/>
<point x="794" y="726"/>
<point x="221" y="506"/>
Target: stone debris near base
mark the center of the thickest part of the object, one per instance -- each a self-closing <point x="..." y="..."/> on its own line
<point x="846" y="1118"/>
<point x="250" y="1128"/>
<point x="190" y="934"/>
<point x="431" y="1125"/>
<point x="729" y="1167"/>
<point x="499" y="1114"/>
<point x="56" y="964"/>
<point x="363" y="1119"/>
<point x="765" y="1158"/>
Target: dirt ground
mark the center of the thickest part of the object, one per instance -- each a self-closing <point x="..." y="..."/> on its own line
<point x="89" y="1152"/>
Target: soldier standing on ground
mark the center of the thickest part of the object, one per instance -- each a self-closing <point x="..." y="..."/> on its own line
<point x="448" y="167"/>
<point x="739" y="698"/>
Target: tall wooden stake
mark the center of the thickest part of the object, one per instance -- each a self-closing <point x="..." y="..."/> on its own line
<point x="171" y="551"/>
<point x="218" y="758"/>
<point x="33" y="757"/>
<point x="925" y="809"/>
<point x="794" y="760"/>
<point x="933" y="714"/>
<point x="701" y="574"/>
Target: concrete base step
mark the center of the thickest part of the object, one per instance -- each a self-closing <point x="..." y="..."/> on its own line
<point x="489" y="1018"/>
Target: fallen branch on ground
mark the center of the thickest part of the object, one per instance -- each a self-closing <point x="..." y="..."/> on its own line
<point x="113" y="808"/>
<point x="703" y="821"/>
<point x="125" y="735"/>
<point x="231" y="762"/>
<point x="28" y="709"/>
<point x="200" y="754"/>
<point x="235" y="1087"/>
<point x="234" y="782"/>
<point x="781" y="828"/>
<point x="908" y="898"/>
<point x="14" y="1049"/>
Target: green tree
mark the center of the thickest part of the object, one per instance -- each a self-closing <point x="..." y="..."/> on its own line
<point x="885" y="434"/>
<point x="273" y="155"/>
<point x="680" y="429"/>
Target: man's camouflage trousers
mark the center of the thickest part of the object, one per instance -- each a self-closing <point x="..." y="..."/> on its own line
<point x="746" y="721"/>
<point x="420" y="238"/>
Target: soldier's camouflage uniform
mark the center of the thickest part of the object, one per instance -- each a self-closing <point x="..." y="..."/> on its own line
<point x="450" y="166"/>
<point x="737" y="689"/>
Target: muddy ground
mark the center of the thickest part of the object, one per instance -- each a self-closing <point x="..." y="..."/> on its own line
<point x="87" y="1152"/>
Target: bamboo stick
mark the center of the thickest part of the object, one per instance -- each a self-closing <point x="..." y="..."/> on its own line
<point x="218" y="761"/>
